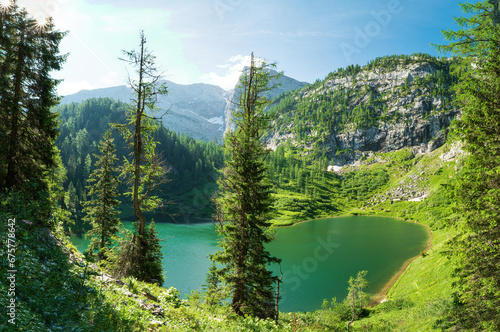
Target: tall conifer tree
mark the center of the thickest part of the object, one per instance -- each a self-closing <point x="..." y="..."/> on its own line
<point x="101" y="210"/>
<point x="245" y="199"/>
<point x="477" y="249"/>
<point x="145" y="171"/>
<point x="29" y="53"/>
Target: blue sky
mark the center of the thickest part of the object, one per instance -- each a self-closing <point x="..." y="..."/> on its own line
<point x="209" y="41"/>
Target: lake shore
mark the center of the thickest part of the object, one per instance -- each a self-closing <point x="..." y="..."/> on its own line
<point x="378" y="297"/>
<point x="382" y="294"/>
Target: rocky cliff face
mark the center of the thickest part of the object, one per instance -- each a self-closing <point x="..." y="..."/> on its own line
<point x="396" y="104"/>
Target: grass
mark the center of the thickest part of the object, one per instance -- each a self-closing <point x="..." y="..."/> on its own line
<point x="59" y="291"/>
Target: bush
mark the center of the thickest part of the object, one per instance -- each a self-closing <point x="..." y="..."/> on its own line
<point x="31" y="202"/>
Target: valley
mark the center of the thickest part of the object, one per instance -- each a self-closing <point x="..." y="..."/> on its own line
<point x="365" y="199"/>
<point x="380" y="158"/>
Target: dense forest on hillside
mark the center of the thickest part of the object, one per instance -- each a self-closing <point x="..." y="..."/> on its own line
<point x="192" y="162"/>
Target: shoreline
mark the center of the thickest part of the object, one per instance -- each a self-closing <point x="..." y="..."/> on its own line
<point x="382" y="294"/>
<point x="379" y="296"/>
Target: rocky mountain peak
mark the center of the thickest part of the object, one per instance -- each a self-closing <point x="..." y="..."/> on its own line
<point x="392" y="103"/>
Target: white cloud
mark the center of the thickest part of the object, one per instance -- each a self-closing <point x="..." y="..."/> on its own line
<point x="67" y="88"/>
<point x="229" y="78"/>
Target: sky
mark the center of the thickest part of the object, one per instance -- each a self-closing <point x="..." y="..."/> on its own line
<point x="209" y="41"/>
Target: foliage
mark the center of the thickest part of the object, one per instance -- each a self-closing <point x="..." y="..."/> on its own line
<point x="30" y="52"/>
<point x="214" y="293"/>
<point x="357" y="299"/>
<point x="244" y="202"/>
<point x="31" y="201"/>
<point x="51" y="292"/>
<point x="170" y="297"/>
<point x="478" y="245"/>
<point x="101" y="209"/>
<point x="151" y="264"/>
<point x="131" y="259"/>
<point x="193" y="162"/>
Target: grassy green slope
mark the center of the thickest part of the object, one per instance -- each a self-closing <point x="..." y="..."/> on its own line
<point x="423" y="292"/>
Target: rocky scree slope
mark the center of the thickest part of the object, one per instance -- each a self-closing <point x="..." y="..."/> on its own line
<point x="392" y="103"/>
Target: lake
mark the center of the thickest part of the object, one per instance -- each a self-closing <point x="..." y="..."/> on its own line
<point x="318" y="256"/>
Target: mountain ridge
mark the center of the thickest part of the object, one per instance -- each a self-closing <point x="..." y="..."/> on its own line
<point x="392" y="103"/>
<point x="200" y="110"/>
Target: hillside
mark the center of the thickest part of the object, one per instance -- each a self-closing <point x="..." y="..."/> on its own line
<point x="361" y="124"/>
<point x="392" y="103"/>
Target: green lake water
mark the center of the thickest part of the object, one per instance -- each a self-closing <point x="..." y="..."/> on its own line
<point x="318" y="256"/>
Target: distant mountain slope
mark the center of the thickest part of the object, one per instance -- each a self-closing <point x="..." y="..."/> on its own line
<point x="392" y="103"/>
<point x="195" y="109"/>
<point x="199" y="110"/>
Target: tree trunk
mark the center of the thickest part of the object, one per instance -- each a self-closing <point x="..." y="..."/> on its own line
<point x="138" y="148"/>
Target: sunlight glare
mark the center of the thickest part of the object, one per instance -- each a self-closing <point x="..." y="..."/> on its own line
<point x="41" y="20"/>
<point x="4" y="3"/>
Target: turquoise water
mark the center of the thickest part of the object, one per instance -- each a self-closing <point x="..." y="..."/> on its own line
<point x="318" y="256"/>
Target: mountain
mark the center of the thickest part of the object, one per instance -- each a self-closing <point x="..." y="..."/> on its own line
<point x="392" y="103"/>
<point x="199" y="110"/>
<point x="283" y="84"/>
<point x="195" y="109"/>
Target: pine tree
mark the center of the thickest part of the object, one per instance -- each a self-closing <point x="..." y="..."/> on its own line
<point x="212" y="287"/>
<point x="55" y="188"/>
<point x="146" y="171"/>
<point x="151" y="266"/>
<point x="244" y="202"/>
<point x="477" y="249"/>
<point x="30" y="52"/>
<point x="101" y="210"/>
<point x="357" y="299"/>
